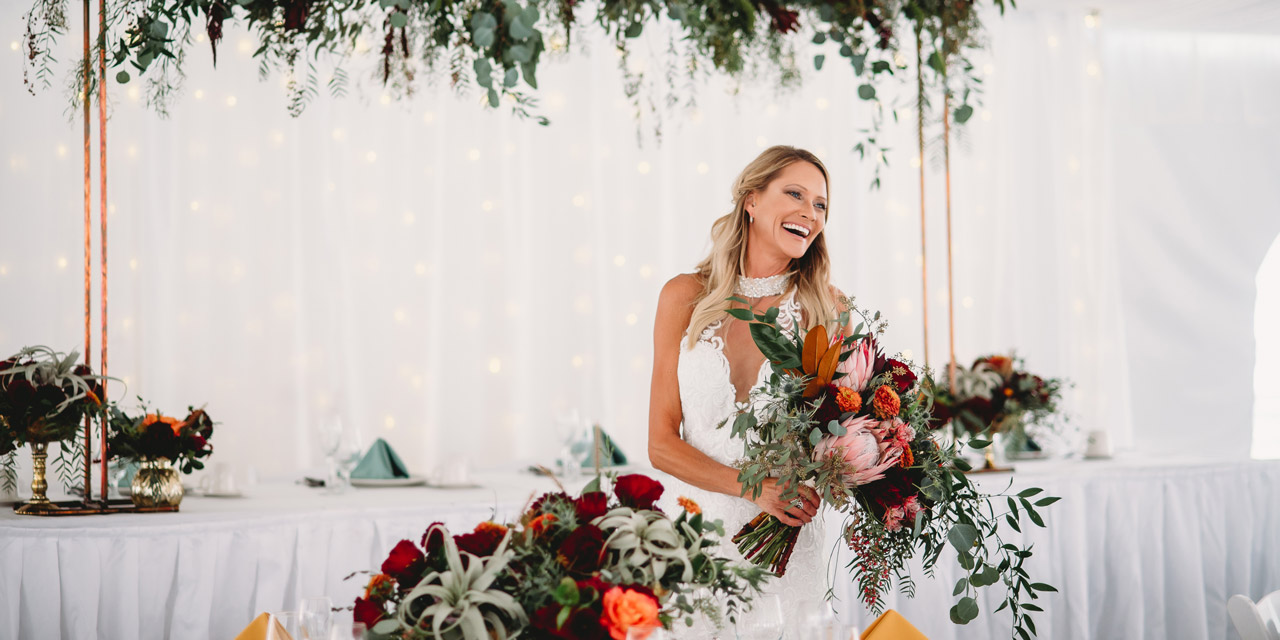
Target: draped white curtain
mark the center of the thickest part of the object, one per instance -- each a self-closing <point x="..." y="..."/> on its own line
<point x="452" y="279"/>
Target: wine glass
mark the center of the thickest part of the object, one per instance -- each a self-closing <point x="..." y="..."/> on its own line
<point x="818" y="620"/>
<point x="316" y="618"/>
<point x="286" y="621"/>
<point x="328" y="437"/>
<point x="764" y="621"/>
<point x="646" y="632"/>
<point x="349" y="451"/>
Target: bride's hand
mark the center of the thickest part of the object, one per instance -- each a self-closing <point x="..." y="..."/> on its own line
<point x="795" y="512"/>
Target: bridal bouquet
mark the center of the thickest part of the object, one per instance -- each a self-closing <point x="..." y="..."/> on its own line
<point x="586" y="568"/>
<point x="839" y="416"/>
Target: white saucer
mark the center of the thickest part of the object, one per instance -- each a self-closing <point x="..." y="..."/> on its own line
<point x="411" y="481"/>
<point x="454" y="485"/>
<point x="223" y="494"/>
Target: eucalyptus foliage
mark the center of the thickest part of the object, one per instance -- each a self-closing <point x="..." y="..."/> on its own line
<point x="496" y="46"/>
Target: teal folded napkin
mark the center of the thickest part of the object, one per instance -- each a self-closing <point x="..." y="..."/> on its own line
<point x="610" y="454"/>
<point x="380" y="463"/>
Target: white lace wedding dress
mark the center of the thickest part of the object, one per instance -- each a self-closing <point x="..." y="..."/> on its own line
<point x="707" y="397"/>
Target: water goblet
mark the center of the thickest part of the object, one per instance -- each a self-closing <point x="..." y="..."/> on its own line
<point x="316" y="618"/>
<point x="646" y="632"/>
<point x="349" y="451"/>
<point x="764" y="621"/>
<point x="328" y="437"/>
<point x="282" y="625"/>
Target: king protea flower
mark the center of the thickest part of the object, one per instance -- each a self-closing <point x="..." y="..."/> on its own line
<point x="858" y="368"/>
<point x="867" y="455"/>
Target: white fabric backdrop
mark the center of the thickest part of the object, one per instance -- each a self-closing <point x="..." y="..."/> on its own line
<point x="452" y="279"/>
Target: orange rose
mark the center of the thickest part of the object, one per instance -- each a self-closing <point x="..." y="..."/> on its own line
<point x="885" y="403"/>
<point x="626" y="608"/>
<point x="541" y="523"/>
<point x="848" y="400"/>
<point x="689" y="505"/>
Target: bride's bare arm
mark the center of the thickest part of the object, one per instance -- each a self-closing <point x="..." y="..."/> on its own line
<point x="667" y="451"/>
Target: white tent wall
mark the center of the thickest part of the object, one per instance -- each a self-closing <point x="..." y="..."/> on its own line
<point x="1194" y="143"/>
<point x="453" y="279"/>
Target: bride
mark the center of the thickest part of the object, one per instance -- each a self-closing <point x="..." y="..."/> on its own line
<point x="770" y="251"/>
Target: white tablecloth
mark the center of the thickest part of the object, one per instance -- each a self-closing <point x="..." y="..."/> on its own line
<point x="1136" y="549"/>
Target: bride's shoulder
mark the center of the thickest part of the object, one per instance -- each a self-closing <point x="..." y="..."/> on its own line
<point x="683" y="289"/>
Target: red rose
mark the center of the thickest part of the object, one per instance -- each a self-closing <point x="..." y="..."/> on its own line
<point x="784" y="20"/>
<point x="829" y="409"/>
<point x="368" y="612"/>
<point x="637" y="491"/>
<point x="405" y="564"/>
<point x="583" y="550"/>
<point x="903" y="378"/>
<point x="483" y="541"/>
<point x="583" y="624"/>
<point x="591" y="506"/>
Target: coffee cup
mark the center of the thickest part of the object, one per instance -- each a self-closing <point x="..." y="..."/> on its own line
<point x="1099" y="445"/>
<point x="220" y="481"/>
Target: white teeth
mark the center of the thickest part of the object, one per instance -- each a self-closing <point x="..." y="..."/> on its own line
<point x="796" y="227"/>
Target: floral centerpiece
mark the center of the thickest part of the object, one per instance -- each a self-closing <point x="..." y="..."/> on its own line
<point x="161" y="445"/>
<point x="44" y="397"/>
<point x="996" y="396"/>
<point x="588" y="567"/>
<point x="838" y="415"/>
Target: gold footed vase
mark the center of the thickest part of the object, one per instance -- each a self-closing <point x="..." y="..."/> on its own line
<point x="156" y="484"/>
<point x="39" y="502"/>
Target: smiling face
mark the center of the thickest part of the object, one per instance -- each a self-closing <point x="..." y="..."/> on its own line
<point x="789" y="213"/>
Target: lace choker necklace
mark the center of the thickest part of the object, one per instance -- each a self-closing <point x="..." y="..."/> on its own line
<point x="760" y="287"/>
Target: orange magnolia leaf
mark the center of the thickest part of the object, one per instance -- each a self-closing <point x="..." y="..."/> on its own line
<point x="827" y="366"/>
<point x="815" y="345"/>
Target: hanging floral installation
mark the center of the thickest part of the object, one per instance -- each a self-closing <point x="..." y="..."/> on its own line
<point x="496" y="46"/>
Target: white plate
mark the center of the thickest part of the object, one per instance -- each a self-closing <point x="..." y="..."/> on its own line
<point x="223" y="494"/>
<point x="454" y="485"/>
<point x="411" y="481"/>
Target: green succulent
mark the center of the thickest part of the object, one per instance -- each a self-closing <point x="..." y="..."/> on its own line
<point x="459" y="604"/>
<point x="647" y="542"/>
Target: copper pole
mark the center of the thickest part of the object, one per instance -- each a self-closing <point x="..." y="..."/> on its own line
<point x="102" y="214"/>
<point x="88" y="261"/>
<point x="924" y="256"/>
<point x="946" y="154"/>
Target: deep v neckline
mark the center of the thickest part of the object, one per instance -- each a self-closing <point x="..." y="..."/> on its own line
<point x="728" y="372"/>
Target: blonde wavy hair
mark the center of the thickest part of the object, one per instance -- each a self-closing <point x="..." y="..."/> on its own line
<point x="719" y="271"/>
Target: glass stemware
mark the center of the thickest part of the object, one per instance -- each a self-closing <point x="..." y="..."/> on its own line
<point x="328" y="437"/>
<point x="764" y="621"/>
<point x="349" y="451"/>
<point x="282" y="621"/>
<point x="316" y="618"/>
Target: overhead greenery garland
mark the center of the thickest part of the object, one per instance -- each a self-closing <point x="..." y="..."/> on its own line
<point x="495" y="45"/>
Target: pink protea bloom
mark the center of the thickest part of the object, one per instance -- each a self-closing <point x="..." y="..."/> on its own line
<point x="867" y="455"/>
<point x="859" y="367"/>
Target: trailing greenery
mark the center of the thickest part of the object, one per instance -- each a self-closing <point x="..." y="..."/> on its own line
<point x="496" y="46"/>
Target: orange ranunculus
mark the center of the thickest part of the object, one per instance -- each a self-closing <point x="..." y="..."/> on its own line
<point x="153" y="418"/>
<point x="908" y="458"/>
<point x="491" y="527"/>
<point x="1002" y="365"/>
<point x="540" y="524"/>
<point x="380" y="587"/>
<point x="626" y="608"/>
<point x="885" y="403"/>
<point x="689" y="505"/>
<point x="848" y="400"/>
<point x="1008" y="393"/>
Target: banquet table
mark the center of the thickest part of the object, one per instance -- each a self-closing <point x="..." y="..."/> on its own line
<point x="1136" y="548"/>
